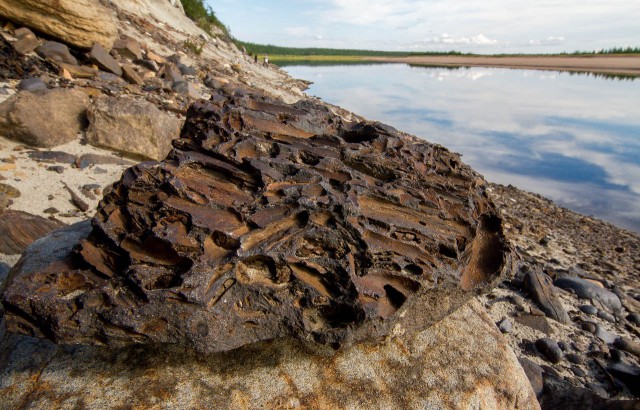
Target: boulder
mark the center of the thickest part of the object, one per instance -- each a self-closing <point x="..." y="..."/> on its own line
<point x="269" y="221"/>
<point x="460" y="362"/>
<point x="57" y="52"/>
<point x="76" y="22"/>
<point x="132" y="126"/>
<point x="45" y="118"/>
<point x="541" y="290"/>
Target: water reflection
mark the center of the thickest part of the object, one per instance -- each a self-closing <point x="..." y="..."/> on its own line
<point x="571" y="137"/>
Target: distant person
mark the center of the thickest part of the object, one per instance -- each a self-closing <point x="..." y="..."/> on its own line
<point x="255" y="58"/>
<point x="266" y="59"/>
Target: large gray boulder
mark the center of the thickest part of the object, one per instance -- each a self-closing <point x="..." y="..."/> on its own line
<point x="77" y="22"/>
<point x="45" y="118"/>
<point x="132" y="126"/>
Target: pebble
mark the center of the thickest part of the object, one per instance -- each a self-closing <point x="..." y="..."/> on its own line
<point x="7" y="167"/>
<point x="51" y="211"/>
<point x="550" y="349"/>
<point x="634" y="318"/>
<point x="575" y="358"/>
<point x="518" y="301"/>
<point x="578" y="371"/>
<point x="589" y="327"/>
<point x="9" y="191"/>
<point x="32" y="84"/>
<point x="505" y="326"/>
<point x="536" y="312"/>
<point x="587" y="290"/>
<point x="606" y="316"/>
<point x="56" y="168"/>
<point x="589" y="310"/>
<point x="628" y="345"/>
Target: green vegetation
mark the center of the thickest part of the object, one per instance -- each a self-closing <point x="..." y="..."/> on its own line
<point x="614" y="50"/>
<point x="204" y="17"/>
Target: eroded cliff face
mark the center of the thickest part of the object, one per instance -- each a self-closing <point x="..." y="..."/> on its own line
<point x="271" y="220"/>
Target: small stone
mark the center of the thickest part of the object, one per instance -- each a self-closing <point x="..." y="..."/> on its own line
<point x="7" y="167"/>
<point x="588" y="290"/>
<point x="102" y="58"/>
<point x="628" y="345"/>
<point x="98" y="170"/>
<point x="579" y="347"/>
<point x="131" y="75"/>
<point x="56" y="168"/>
<point x="505" y="325"/>
<point x="56" y="52"/>
<point x="186" y="70"/>
<point x="51" y="211"/>
<point x="540" y="286"/>
<point x="186" y="88"/>
<point x="634" y="318"/>
<point x="589" y="310"/>
<point x="616" y="355"/>
<point x="155" y="58"/>
<point x="76" y="200"/>
<point x="27" y="41"/>
<point x="598" y="389"/>
<point x="544" y="241"/>
<point x="52" y="157"/>
<point x="550" y="349"/>
<point x="578" y="371"/>
<point x="589" y="327"/>
<point x="604" y="335"/>
<point x="64" y="73"/>
<point x="148" y="64"/>
<point x="32" y="84"/>
<point x="9" y="191"/>
<point x="77" y="71"/>
<point x="128" y="48"/>
<point x="171" y="73"/>
<point x="575" y="358"/>
<point x="606" y="316"/>
<point x="536" y="312"/>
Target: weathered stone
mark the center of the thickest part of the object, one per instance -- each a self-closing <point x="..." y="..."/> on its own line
<point x="78" y="71"/>
<point x="128" y="48"/>
<point x="634" y="318"/>
<point x="77" y="22"/>
<point x="268" y="221"/>
<point x="19" y="229"/>
<point x="101" y="57"/>
<point x="132" y="126"/>
<point x="186" y="88"/>
<point x="52" y="157"/>
<point x="186" y="69"/>
<point x="9" y="191"/>
<point x="170" y="73"/>
<point x="44" y="118"/>
<point x="131" y="75"/>
<point x="534" y="374"/>
<point x="27" y="41"/>
<point x="57" y="52"/>
<point x="589" y="310"/>
<point x="430" y="369"/>
<point x="587" y="290"/>
<point x="87" y="160"/>
<point x="148" y="64"/>
<point x="505" y="325"/>
<point x="539" y="323"/>
<point x="627" y="374"/>
<point x="550" y="349"/>
<point x="32" y="84"/>
<point x="628" y="345"/>
<point x="540" y="288"/>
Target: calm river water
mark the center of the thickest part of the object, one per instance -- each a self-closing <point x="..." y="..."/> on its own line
<point x="572" y="138"/>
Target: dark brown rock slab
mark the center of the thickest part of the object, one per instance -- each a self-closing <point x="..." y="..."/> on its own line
<point x="19" y="229"/>
<point x="541" y="290"/>
<point x="268" y="221"/>
<point x="101" y="57"/>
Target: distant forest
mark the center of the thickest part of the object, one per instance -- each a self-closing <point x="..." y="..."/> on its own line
<point x="270" y="49"/>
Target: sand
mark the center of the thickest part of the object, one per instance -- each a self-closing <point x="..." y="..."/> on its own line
<point x="602" y="64"/>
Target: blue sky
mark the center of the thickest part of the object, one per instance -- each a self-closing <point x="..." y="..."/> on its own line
<point x="487" y="26"/>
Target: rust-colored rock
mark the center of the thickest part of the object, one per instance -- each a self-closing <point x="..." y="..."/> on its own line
<point x="265" y="221"/>
<point x="19" y="229"/>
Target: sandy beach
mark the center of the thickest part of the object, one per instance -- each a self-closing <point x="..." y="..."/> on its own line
<point x="603" y="64"/>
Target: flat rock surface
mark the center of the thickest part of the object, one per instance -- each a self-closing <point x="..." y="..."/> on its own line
<point x="435" y="368"/>
<point x="269" y="220"/>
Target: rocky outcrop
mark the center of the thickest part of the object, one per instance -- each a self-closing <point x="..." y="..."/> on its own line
<point x="19" y="229"/>
<point x="269" y="220"/>
<point x="78" y="22"/>
<point x="460" y="362"/>
<point x="132" y="126"/>
<point x="44" y="118"/>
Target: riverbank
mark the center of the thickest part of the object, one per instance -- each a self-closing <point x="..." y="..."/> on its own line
<point x="605" y="64"/>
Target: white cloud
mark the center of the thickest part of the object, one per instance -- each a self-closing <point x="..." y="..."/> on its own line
<point x="549" y="41"/>
<point x="479" y="39"/>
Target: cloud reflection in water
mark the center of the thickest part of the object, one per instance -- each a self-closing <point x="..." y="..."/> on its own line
<point x="572" y="138"/>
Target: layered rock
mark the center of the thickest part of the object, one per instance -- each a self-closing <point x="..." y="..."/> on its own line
<point x="266" y="221"/>
<point x="78" y="22"/>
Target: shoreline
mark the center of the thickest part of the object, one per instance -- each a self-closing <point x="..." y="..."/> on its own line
<point x="603" y="64"/>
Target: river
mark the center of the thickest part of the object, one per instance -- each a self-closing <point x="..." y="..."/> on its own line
<point x="573" y="138"/>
